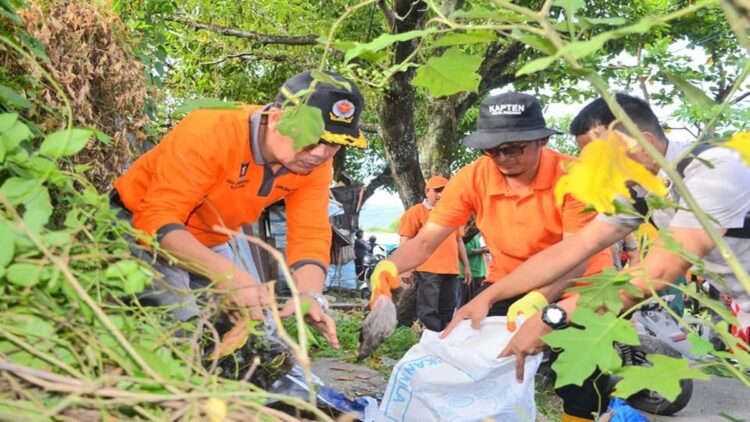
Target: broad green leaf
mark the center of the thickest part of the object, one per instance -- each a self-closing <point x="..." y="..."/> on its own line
<point x="82" y="168"/>
<point x="64" y="143"/>
<point x="603" y="289"/>
<point x="383" y="41"/>
<point x="121" y="269"/>
<point x="612" y="21"/>
<point x="102" y="137"/>
<point x="32" y="325"/>
<point x="7" y="120"/>
<point x="536" y="65"/>
<point x="663" y="377"/>
<point x="8" y="10"/>
<point x="694" y="95"/>
<point x="303" y="123"/>
<point x="24" y="274"/>
<point x="13" y="98"/>
<point x="7" y="248"/>
<point x="570" y="6"/>
<point x="450" y="73"/>
<point x="134" y="283"/>
<point x="536" y="42"/>
<point x="19" y="190"/>
<point x="38" y="210"/>
<point x="15" y="135"/>
<point x="325" y="78"/>
<point x="473" y="37"/>
<point x="211" y="103"/>
<point x="480" y="12"/>
<point x="701" y="346"/>
<point x="585" y="349"/>
<point x="580" y="49"/>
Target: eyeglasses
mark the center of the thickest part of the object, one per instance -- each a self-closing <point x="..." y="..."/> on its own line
<point x="509" y="150"/>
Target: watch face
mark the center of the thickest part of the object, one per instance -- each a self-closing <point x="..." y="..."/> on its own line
<point x="554" y="315"/>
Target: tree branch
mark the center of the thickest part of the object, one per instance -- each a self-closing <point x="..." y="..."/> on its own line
<point x="741" y="97"/>
<point x="388" y="14"/>
<point x="251" y="56"/>
<point x="261" y="38"/>
<point x="383" y="179"/>
<point x="369" y="128"/>
<point x="494" y="72"/>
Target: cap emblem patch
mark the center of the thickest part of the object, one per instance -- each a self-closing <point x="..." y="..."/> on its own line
<point x="342" y="111"/>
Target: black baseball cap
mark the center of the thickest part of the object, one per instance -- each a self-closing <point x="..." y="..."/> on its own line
<point x="341" y="108"/>
<point x="509" y="117"/>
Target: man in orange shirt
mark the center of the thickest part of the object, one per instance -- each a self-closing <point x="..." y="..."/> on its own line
<point x="222" y="168"/>
<point x="436" y="278"/>
<point x="510" y="190"/>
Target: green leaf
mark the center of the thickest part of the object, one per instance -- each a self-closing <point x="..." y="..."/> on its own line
<point x="7" y="120"/>
<point x="536" y="65"/>
<point x="13" y="98"/>
<point x="570" y="6"/>
<point x="701" y="346"/>
<point x="303" y="123"/>
<point x="383" y="41"/>
<point x="536" y="42"/>
<point x="694" y="95"/>
<point x="7" y="248"/>
<point x="102" y="137"/>
<point x="134" y="283"/>
<point x="450" y="73"/>
<point x="663" y="377"/>
<point x="38" y="210"/>
<point x="32" y="325"/>
<point x="480" y="12"/>
<point x="121" y="269"/>
<point x="325" y="78"/>
<point x="82" y="168"/>
<point x="613" y="21"/>
<point x="24" y="274"/>
<point x="473" y="37"/>
<point x="210" y="103"/>
<point x="603" y="289"/>
<point x="19" y="190"/>
<point x="64" y="143"/>
<point x="585" y="349"/>
<point x="15" y="135"/>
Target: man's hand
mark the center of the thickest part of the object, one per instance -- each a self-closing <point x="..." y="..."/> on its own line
<point x="476" y="310"/>
<point x="526" y="342"/>
<point x="468" y="277"/>
<point x="527" y="306"/>
<point x="316" y="317"/>
<point x="247" y="298"/>
<point x="407" y="277"/>
<point x="384" y="279"/>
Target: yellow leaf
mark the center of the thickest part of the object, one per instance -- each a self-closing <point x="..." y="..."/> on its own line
<point x="601" y="172"/>
<point x="740" y="142"/>
<point x="216" y="409"/>
<point x="235" y="338"/>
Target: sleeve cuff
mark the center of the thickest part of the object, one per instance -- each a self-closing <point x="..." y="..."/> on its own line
<point x="166" y="229"/>
<point x="304" y="262"/>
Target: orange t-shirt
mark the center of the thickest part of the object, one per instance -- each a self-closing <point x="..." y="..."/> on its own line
<point x="515" y="227"/>
<point x="445" y="258"/>
<point x="204" y="173"/>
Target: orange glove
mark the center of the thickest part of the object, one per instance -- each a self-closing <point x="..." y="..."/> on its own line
<point x="527" y="306"/>
<point x="384" y="278"/>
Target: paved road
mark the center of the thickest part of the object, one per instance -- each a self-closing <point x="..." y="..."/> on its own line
<point x="710" y="398"/>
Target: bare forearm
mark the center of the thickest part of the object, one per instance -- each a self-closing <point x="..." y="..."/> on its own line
<point x="309" y="278"/>
<point x="553" y="291"/>
<point x="200" y="259"/>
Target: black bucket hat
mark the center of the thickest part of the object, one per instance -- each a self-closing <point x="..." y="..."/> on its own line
<point x="509" y="117"/>
<point x="341" y="108"/>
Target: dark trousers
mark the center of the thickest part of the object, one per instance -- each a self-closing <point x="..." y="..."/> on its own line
<point x="585" y="401"/>
<point x="436" y="299"/>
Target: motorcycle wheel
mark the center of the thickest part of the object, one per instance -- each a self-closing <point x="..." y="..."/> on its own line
<point x="650" y="401"/>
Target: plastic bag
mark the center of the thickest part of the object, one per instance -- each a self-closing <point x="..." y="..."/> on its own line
<point x="460" y="378"/>
<point x="622" y="412"/>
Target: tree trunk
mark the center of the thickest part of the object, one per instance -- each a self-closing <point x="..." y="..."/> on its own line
<point x="396" y="111"/>
<point x="440" y="143"/>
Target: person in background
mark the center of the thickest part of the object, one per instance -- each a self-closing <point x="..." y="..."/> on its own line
<point x="475" y="252"/>
<point x="361" y="248"/>
<point x="436" y="278"/>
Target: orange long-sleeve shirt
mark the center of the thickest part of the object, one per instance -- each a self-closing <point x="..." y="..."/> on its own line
<point x="208" y="171"/>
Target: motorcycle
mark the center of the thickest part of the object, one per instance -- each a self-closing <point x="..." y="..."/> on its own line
<point x="658" y="333"/>
<point x="369" y="262"/>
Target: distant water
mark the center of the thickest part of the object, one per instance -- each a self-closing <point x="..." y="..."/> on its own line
<point x="380" y="210"/>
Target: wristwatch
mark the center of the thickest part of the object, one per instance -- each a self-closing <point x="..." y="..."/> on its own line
<point x="554" y="316"/>
<point x="318" y="297"/>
